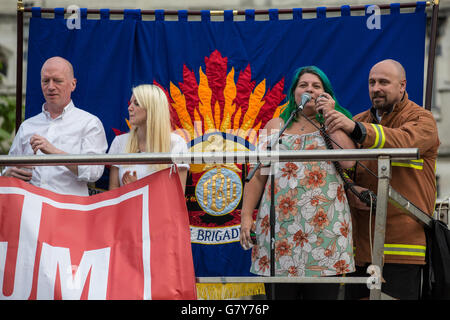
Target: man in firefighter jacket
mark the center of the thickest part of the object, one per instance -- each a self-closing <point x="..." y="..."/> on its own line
<point x="393" y="121"/>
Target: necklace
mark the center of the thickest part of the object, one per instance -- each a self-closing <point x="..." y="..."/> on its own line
<point x="303" y="127"/>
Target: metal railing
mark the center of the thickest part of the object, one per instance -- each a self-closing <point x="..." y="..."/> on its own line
<point x="210" y="157"/>
<point x="385" y="193"/>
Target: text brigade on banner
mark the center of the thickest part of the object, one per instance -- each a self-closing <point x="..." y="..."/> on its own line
<point x="215" y="235"/>
<point x="129" y="243"/>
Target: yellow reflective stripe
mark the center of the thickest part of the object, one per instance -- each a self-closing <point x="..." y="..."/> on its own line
<point x="380" y="138"/>
<point x="383" y="137"/>
<point x="406" y="165"/>
<point x="408" y="246"/>
<point x="377" y="136"/>
<point x="405" y="253"/>
<point x="415" y="164"/>
<point x="405" y="250"/>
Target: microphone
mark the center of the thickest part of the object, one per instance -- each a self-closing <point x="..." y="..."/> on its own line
<point x="305" y="99"/>
<point x="319" y="97"/>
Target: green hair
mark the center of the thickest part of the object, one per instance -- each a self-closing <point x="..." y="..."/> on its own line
<point x="292" y="105"/>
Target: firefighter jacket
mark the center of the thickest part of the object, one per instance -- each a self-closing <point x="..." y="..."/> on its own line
<point x="406" y="126"/>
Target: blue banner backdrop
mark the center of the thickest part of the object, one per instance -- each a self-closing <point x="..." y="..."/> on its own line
<point x="111" y="56"/>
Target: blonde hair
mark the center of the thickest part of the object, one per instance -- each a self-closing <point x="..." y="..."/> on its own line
<point x="154" y="100"/>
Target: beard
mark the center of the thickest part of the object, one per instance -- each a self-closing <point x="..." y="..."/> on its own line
<point x="380" y="102"/>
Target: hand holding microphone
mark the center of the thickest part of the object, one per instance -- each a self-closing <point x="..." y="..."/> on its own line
<point x="324" y="103"/>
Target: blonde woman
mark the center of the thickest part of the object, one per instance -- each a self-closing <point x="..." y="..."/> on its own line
<point x="150" y="132"/>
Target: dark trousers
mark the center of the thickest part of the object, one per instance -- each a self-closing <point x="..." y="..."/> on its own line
<point x="403" y="281"/>
<point x="303" y="291"/>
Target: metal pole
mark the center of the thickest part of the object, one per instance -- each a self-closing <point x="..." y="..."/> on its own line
<point x="384" y="175"/>
<point x="272" y="229"/>
<point x="210" y="157"/>
<point x="260" y="279"/>
<point x="242" y="12"/>
<point x="19" y="63"/>
<point x="431" y="55"/>
<point x="399" y="201"/>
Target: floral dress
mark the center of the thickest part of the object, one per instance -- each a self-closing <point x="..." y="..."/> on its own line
<point x="313" y="230"/>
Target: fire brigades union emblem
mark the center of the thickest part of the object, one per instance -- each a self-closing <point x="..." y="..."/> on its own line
<point x="219" y="191"/>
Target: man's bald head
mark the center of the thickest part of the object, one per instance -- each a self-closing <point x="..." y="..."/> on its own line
<point x="60" y="63"/>
<point x="393" y="65"/>
<point x="387" y="84"/>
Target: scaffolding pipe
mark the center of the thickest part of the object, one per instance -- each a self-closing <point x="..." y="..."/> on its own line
<point x="384" y="175"/>
<point x="258" y="279"/>
<point x="19" y="64"/>
<point x="431" y="55"/>
<point x="211" y="157"/>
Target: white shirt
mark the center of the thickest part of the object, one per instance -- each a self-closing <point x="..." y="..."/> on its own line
<point x="75" y="131"/>
<point x="177" y="145"/>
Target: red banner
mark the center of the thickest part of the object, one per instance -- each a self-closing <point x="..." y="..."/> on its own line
<point x="128" y="243"/>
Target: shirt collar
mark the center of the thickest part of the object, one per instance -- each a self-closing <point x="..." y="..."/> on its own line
<point x="397" y="107"/>
<point x="66" y="109"/>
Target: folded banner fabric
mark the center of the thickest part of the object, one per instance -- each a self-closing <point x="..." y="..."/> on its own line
<point x="128" y="243"/>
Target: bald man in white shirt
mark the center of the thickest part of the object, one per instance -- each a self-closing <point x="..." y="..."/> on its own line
<point x="61" y="128"/>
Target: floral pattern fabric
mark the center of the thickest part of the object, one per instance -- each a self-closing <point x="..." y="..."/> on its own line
<point x="313" y="230"/>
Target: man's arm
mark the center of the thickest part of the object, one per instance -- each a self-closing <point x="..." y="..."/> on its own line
<point x="23" y="173"/>
<point x="418" y="131"/>
<point x="40" y="143"/>
<point x="93" y="142"/>
<point x="335" y="120"/>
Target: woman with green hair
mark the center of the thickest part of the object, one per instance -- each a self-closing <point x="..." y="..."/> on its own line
<point x="313" y="229"/>
<point x="292" y="104"/>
